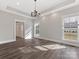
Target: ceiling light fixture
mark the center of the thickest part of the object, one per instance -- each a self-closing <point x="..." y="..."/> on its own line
<point x="35" y="13"/>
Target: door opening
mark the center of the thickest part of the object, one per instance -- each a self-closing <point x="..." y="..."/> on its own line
<point x="19" y="30"/>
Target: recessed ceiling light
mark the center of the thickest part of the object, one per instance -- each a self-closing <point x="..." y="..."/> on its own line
<point x="18" y="3"/>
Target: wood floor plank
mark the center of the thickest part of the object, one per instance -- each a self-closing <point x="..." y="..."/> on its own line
<point x="26" y="49"/>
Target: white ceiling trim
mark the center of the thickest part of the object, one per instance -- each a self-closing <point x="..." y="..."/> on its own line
<point x="18" y="14"/>
<point x="62" y="8"/>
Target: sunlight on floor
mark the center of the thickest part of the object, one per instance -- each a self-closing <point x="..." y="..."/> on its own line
<point x="27" y="50"/>
<point x="41" y="48"/>
<point x="50" y="47"/>
<point x="55" y="46"/>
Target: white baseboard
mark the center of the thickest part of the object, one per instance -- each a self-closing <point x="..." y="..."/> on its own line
<point x="8" y="41"/>
<point x="61" y="41"/>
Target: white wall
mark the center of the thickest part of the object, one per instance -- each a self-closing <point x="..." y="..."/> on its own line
<point x="8" y="26"/>
<point x="51" y="27"/>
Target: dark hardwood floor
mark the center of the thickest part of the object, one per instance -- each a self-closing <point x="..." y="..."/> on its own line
<point x="37" y="49"/>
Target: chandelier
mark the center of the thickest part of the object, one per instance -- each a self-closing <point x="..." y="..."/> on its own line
<point x="35" y="13"/>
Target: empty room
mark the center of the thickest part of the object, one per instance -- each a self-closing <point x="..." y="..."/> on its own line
<point x="39" y="29"/>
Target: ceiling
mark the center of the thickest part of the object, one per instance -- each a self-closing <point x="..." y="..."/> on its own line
<point x="28" y="5"/>
<point x="71" y="10"/>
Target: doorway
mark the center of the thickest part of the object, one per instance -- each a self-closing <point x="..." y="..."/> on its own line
<point x="19" y="30"/>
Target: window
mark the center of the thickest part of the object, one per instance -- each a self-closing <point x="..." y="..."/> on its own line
<point x="36" y="29"/>
<point x="71" y="28"/>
